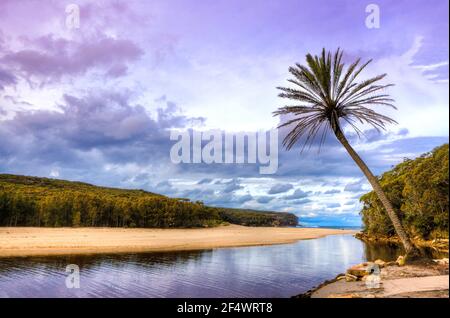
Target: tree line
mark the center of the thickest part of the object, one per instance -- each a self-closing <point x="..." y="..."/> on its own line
<point x="258" y="218"/>
<point x="33" y="201"/>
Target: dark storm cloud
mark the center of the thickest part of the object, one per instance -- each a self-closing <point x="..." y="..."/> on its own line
<point x="372" y="135"/>
<point x="301" y="201"/>
<point x="333" y="161"/>
<point x="49" y="58"/>
<point x="333" y="191"/>
<point x="264" y="199"/>
<point x="6" y="78"/>
<point x="298" y="194"/>
<point x="244" y="198"/>
<point x="165" y="187"/>
<point x="232" y="186"/>
<point x="333" y="205"/>
<point x="280" y="188"/>
<point x="328" y="164"/>
<point x="204" y="181"/>
<point x="197" y="194"/>
<point x="87" y="133"/>
<point x="227" y="199"/>
<point x="355" y="186"/>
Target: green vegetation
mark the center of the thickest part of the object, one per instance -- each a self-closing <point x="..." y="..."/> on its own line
<point x="258" y="218"/>
<point x="419" y="189"/>
<point x="33" y="201"/>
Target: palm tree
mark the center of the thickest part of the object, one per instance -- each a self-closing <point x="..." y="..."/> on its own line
<point x="329" y="97"/>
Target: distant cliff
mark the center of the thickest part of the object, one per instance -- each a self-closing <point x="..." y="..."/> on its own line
<point x="34" y="201"/>
<point x="258" y="218"/>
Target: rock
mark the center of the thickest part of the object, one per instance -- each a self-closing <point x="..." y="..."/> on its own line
<point x="442" y="261"/>
<point x="344" y="296"/>
<point x="351" y="278"/>
<point x="359" y="270"/>
<point x="400" y="260"/>
<point x="341" y="277"/>
<point x="380" y="263"/>
<point x="392" y="263"/>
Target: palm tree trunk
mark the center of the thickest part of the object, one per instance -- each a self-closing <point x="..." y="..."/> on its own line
<point x="410" y="249"/>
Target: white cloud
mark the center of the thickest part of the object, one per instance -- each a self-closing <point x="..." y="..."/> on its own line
<point x="422" y="102"/>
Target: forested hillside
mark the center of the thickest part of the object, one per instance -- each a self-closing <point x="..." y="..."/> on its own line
<point x="419" y="190"/>
<point x="33" y="201"/>
<point x="258" y="218"/>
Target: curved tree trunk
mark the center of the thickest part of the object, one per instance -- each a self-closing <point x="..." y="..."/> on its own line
<point x="410" y="249"/>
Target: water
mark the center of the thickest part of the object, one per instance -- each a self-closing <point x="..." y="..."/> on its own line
<point x="263" y="271"/>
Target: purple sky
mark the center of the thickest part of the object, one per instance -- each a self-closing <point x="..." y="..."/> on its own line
<point x="95" y="103"/>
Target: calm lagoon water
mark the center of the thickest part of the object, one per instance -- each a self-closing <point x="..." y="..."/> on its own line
<point x="262" y="271"/>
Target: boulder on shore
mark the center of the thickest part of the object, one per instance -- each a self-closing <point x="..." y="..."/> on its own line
<point x="359" y="270"/>
<point x="380" y="263"/>
<point x="442" y="261"/>
<point x="350" y="278"/>
<point x="400" y="260"/>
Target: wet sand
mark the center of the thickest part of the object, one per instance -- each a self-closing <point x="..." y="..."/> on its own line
<point x="31" y="241"/>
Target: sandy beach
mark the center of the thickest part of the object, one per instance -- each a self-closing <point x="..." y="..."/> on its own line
<point x="30" y="241"/>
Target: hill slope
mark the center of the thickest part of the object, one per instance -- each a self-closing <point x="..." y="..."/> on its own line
<point x="418" y="189"/>
<point x="34" y="201"/>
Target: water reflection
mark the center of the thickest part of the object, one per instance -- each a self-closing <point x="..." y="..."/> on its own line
<point x="263" y="271"/>
<point x="386" y="252"/>
<point x="389" y="251"/>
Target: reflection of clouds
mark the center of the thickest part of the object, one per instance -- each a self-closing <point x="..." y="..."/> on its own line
<point x="347" y="249"/>
<point x="261" y="271"/>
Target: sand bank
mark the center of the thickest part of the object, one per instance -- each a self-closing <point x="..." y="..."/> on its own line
<point x="29" y="241"/>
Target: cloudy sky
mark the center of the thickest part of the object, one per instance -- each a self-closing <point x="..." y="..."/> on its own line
<point x="95" y="102"/>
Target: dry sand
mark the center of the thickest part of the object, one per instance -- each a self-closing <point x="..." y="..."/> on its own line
<point x="28" y="241"/>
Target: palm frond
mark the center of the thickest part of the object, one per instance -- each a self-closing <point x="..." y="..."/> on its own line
<point x="328" y="93"/>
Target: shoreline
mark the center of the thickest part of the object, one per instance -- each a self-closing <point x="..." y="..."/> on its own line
<point x="420" y="279"/>
<point x="36" y="241"/>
